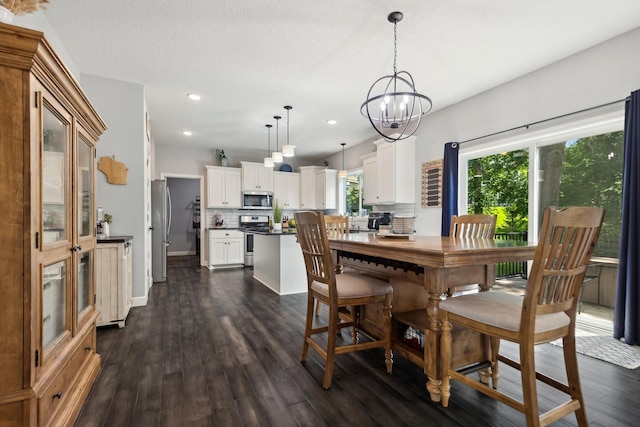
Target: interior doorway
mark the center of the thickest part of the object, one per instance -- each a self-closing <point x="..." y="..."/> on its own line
<point x="186" y="224"/>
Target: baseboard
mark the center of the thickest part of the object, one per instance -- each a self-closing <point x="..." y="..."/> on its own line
<point x="181" y="253"/>
<point x="139" y="301"/>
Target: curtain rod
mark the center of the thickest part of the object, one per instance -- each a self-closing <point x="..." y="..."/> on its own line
<point x="545" y="120"/>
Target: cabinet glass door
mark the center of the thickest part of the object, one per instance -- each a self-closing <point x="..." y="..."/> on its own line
<point x="54" y="177"/>
<point x="54" y="319"/>
<point x="84" y="187"/>
<point x="84" y="282"/>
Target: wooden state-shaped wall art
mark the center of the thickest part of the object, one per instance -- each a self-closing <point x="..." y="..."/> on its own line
<point x="115" y="171"/>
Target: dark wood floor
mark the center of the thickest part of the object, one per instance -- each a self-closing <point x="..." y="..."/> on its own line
<point x="220" y="349"/>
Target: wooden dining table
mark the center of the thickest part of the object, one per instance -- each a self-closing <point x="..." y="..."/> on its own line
<point x="421" y="270"/>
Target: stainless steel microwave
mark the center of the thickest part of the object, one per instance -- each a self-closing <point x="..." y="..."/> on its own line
<point x="257" y="200"/>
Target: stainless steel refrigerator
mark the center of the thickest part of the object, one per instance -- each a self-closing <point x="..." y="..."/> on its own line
<point x="160" y="227"/>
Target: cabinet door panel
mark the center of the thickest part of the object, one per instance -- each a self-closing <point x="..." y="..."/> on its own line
<point x="54" y="175"/>
<point x="233" y="190"/>
<point x="235" y="251"/>
<point x="54" y="303"/>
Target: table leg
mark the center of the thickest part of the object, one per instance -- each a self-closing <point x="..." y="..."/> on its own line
<point x="432" y="346"/>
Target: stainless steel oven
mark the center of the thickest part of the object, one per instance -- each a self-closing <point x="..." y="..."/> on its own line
<point x="250" y="223"/>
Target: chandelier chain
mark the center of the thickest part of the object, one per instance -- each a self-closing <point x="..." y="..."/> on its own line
<point x="395" y="47"/>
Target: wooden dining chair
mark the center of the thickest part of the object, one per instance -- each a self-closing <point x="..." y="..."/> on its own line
<point x="472" y="226"/>
<point x="336" y="225"/>
<point x="339" y="291"/>
<point x="547" y="312"/>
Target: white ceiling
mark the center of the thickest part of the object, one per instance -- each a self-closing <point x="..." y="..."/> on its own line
<point x="247" y="59"/>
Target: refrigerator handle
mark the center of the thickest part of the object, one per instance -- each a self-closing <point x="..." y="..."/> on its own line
<point x="169" y="210"/>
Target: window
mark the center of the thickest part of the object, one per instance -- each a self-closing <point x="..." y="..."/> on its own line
<point x="577" y="164"/>
<point x="352" y="195"/>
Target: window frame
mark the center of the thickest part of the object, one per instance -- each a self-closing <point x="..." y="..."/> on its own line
<point x="555" y="131"/>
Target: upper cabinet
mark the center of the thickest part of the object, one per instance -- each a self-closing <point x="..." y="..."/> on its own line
<point x="393" y="176"/>
<point x="318" y="188"/>
<point x="49" y="131"/>
<point x="370" y="179"/>
<point x="223" y="187"/>
<point x="256" y="177"/>
<point x="286" y="189"/>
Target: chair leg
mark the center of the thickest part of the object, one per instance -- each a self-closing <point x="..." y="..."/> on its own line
<point x="529" y="387"/>
<point x="355" y="318"/>
<point x="573" y="378"/>
<point x="307" y="327"/>
<point x="334" y="318"/>
<point x="495" y="370"/>
<point x="445" y="356"/>
<point x="317" y="308"/>
<point x="386" y="317"/>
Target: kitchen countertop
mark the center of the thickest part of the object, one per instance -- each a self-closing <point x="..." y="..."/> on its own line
<point x="114" y="239"/>
<point x="284" y="232"/>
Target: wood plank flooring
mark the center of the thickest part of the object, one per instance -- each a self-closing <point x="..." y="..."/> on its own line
<point x="220" y="349"/>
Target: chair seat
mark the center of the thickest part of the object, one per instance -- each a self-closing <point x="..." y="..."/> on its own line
<point x="500" y="310"/>
<point x="354" y="285"/>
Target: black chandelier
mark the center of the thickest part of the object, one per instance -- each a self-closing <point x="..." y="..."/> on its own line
<point x="397" y="109"/>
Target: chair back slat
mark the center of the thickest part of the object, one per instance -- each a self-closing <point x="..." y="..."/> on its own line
<point x="567" y="240"/>
<point x="472" y="226"/>
<point x="312" y="236"/>
<point x="336" y="225"/>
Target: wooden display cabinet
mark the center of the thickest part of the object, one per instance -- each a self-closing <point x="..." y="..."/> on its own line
<point x="48" y="130"/>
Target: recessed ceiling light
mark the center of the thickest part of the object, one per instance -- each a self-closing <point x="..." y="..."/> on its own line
<point x="194" y="96"/>
<point x="187" y="132"/>
<point x="331" y="122"/>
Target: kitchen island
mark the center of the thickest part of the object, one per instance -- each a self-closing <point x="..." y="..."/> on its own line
<point x="278" y="263"/>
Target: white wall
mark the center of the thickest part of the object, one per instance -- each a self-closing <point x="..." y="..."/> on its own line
<point x="122" y="107"/>
<point x="602" y="74"/>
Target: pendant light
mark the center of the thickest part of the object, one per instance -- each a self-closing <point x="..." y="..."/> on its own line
<point x="343" y="172"/>
<point x="287" y="150"/>
<point x="396" y="111"/>
<point x="277" y="155"/>
<point x="268" y="161"/>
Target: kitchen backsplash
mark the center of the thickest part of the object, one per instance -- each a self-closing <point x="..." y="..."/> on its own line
<point x="230" y="216"/>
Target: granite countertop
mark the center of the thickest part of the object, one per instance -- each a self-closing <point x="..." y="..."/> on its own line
<point x="284" y="232"/>
<point x="114" y="239"/>
<point x="224" y="228"/>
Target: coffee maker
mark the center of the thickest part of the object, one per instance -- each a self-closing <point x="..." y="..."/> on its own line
<point x="376" y="219"/>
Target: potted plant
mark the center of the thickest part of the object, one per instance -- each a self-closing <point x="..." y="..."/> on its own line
<point x="277" y="215"/>
<point x="105" y="225"/>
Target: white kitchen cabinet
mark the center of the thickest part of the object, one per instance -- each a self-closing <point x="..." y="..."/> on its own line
<point x="370" y="179"/>
<point x="318" y="187"/>
<point x="256" y="177"/>
<point x="226" y="248"/>
<point x="113" y="280"/>
<point x="395" y="169"/>
<point x="223" y="187"/>
<point x="286" y="189"/>
<point x="326" y="189"/>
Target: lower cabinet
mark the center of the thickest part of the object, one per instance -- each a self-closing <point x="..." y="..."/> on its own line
<point x="226" y="248"/>
<point x="113" y="280"/>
